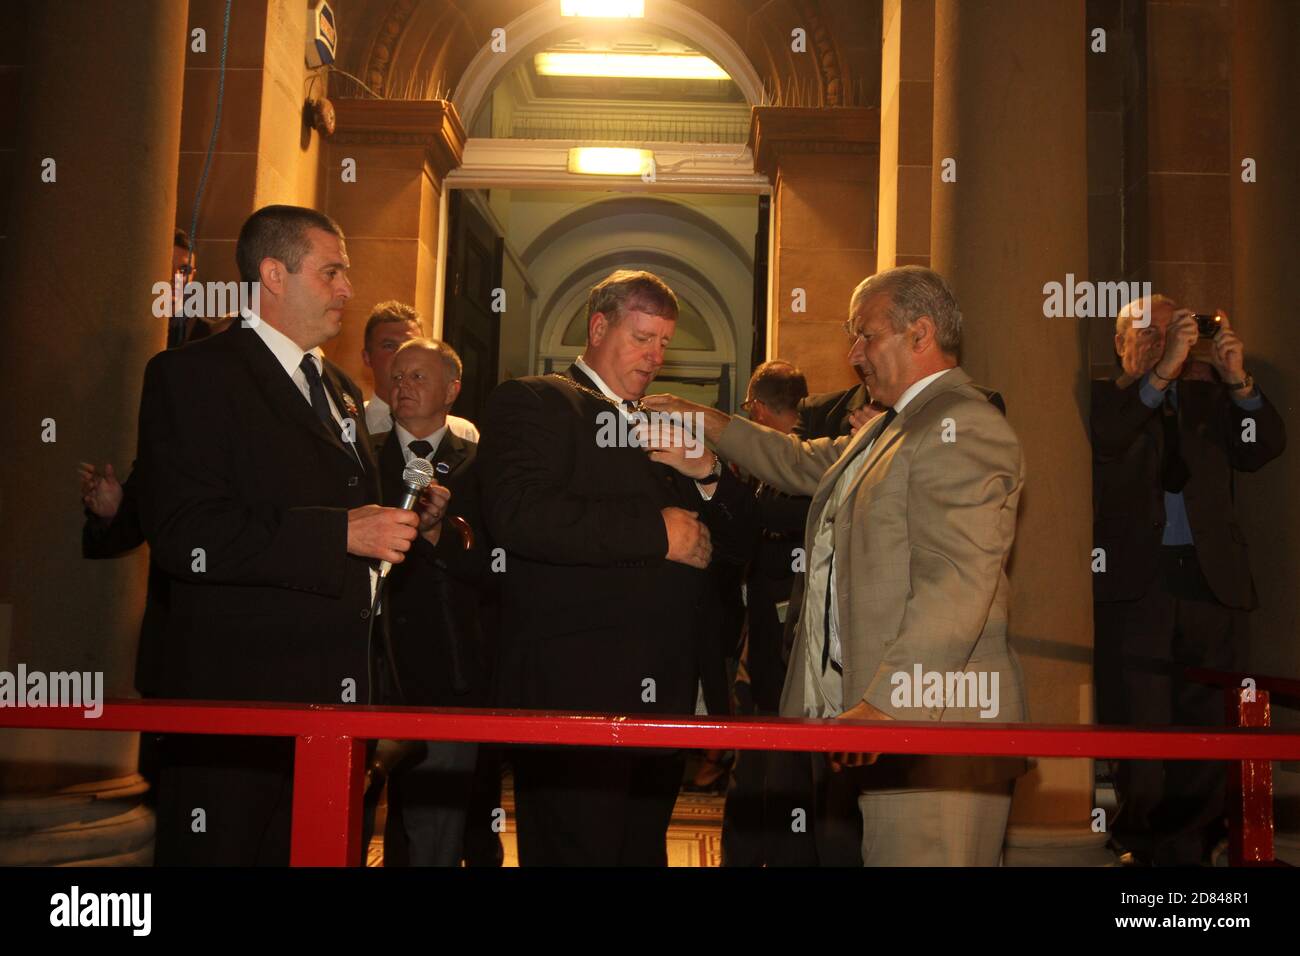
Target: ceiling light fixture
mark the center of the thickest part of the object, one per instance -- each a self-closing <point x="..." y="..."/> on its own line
<point x="608" y="9"/>
<point x="651" y="66"/>
<point x="610" y="161"/>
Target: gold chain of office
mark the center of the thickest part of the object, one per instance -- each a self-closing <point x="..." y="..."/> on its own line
<point x="636" y="406"/>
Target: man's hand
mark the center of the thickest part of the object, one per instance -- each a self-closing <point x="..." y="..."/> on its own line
<point x="1179" y="339"/>
<point x="714" y="420"/>
<point x="1229" y="355"/>
<point x="383" y="533"/>
<point x="432" y="508"/>
<point x="100" y="491"/>
<point x="672" y="446"/>
<point x="860" y="711"/>
<point x="688" y="538"/>
<point x="863" y="415"/>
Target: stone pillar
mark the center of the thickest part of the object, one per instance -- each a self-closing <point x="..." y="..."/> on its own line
<point x="1265" y="249"/>
<point x="1009" y="110"/>
<point x="906" y="126"/>
<point x="823" y="164"/>
<point x="400" y="151"/>
<point x="102" y="99"/>
<point x="264" y="152"/>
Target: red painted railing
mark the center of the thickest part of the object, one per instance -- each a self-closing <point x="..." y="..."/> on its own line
<point x="329" y="767"/>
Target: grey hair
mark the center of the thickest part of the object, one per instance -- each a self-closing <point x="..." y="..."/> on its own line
<point x="1138" y="308"/>
<point x="446" y="354"/>
<point x="915" y="291"/>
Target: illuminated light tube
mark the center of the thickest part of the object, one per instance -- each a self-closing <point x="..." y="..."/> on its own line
<point x="609" y="161"/>
<point x="627" y="9"/>
<point x="653" y="66"/>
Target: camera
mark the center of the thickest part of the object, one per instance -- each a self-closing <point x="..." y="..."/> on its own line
<point x="1208" y="325"/>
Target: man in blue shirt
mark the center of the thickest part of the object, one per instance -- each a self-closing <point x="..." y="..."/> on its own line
<point x="1171" y="583"/>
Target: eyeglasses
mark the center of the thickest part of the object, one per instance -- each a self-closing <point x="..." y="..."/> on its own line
<point x="747" y="406"/>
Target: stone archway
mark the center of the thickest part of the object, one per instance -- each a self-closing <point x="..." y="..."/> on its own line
<point x="533" y="27"/>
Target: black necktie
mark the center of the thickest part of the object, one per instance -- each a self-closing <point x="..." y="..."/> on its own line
<point x="319" y="403"/>
<point x="1173" y="469"/>
<point x="420" y="448"/>
<point x="879" y="425"/>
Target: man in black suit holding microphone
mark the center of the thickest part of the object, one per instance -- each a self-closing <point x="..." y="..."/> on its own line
<point x="605" y="558"/>
<point x="259" y="500"/>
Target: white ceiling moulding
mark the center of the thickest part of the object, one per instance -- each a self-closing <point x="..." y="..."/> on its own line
<point x="529" y="30"/>
<point x="678" y="167"/>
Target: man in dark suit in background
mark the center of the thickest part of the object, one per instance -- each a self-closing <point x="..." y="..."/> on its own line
<point x="1167" y="436"/>
<point x="434" y="636"/>
<point x="259" y="499"/>
<point x="605" y="559"/>
<point x="756" y="820"/>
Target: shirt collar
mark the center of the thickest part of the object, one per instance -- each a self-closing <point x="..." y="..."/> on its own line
<point x="406" y="438"/>
<point x="286" y="350"/>
<point x="600" y="382"/>
<point x="917" y="387"/>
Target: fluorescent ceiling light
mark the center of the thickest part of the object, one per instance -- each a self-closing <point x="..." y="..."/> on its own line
<point x="602" y="8"/>
<point x="655" y="66"/>
<point x="610" y="161"/>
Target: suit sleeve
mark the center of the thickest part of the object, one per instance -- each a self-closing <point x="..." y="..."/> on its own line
<point x="1269" y="435"/>
<point x="961" y="507"/>
<point x="1118" y="416"/>
<point x="466" y="565"/>
<point x="115" y="536"/>
<point x="525" y="459"/>
<point x="785" y="462"/>
<point x="191" y="497"/>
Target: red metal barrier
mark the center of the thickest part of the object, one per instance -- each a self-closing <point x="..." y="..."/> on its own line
<point x="328" y="771"/>
<point x="1250" y="784"/>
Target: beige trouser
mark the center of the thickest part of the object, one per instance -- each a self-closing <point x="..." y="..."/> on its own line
<point x="935" y="827"/>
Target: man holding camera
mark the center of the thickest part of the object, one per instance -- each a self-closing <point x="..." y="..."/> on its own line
<point x="1171" y="582"/>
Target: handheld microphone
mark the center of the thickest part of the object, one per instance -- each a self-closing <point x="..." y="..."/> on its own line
<point x="417" y="476"/>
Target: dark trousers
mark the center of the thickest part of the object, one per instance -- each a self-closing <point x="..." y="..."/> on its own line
<point x="428" y="796"/>
<point x="224" y="801"/>
<point x="1168" y="810"/>
<point x="482" y="836"/>
<point x="585" y="806"/>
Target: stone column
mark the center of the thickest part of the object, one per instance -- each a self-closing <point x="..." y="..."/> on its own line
<point x="1265" y="250"/>
<point x="399" y="151"/>
<point x="823" y="164"/>
<point x="102" y="100"/>
<point x="1009" y="111"/>
<point x="906" y="127"/>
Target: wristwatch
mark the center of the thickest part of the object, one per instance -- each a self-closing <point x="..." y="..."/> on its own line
<point x="1248" y="383"/>
<point x="713" y="476"/>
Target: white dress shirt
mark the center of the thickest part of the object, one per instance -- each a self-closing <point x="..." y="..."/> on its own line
<point x="819" y="562"/>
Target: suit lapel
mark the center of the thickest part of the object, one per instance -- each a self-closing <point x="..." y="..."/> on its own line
<point x="280" y="390"/>
<point x="451" y="452"/>
<point x="341" y="399"/>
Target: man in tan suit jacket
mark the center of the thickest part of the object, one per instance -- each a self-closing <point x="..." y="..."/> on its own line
<point x="905" y="609"/>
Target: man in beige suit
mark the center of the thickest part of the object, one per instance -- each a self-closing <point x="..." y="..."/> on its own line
<point x="905" y="609"/>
